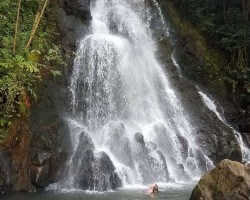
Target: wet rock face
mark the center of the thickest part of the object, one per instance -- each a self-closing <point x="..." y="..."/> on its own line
<point x="39" y="147"/>
<point x="228" y="181"/>
<point x="213" y="137"/>
<point x="93" y="171"/>
<point x="97" y="172"/>
<point x="46" y="167"/>
<point x="150" y="161"/>
<point x="5" y="173"/>
<point x="78" y="8"/>
<point x="85" y="143"/>
<point x="118" y="143"/>
<point x="139" y="138"/>
<point x="220" y="145"/>
<point x="49" y="146"/>
<point x="104" y="173"/>
<point x="179" y="170"/>
<point x="184" y="146"/>
<point x="244" y="126"/>
<point x="246" y="137"/>
<point x="73" y="18"/>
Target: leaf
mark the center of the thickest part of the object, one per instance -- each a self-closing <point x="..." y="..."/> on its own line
<point x="3" y="122"/>
<point x="56" y="73"/>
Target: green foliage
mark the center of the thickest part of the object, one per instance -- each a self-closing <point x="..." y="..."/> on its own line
<point x="22" y="72"/>
<point x="226" y="23"/>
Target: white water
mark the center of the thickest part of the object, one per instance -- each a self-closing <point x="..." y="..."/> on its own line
<point x="212" y="106"/>
<point x="119" y="88"/>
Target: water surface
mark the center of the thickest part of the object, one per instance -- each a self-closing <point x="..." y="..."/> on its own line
<point x="167" y="192"/>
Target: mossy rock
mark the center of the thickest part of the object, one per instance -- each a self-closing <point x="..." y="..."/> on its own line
<point x="229" y="180"/>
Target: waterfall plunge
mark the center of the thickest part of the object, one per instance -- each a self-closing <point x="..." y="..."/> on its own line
<point x="122" y="99"/>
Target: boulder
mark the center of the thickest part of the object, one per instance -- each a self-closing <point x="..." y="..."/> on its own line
<point x="139" y="138"/>
<point x="104" y="174"/>
<point x="150" y="161"/>
<point x="96" y="172"/>
<point x="184" y="146"/>
<point x="179" y="170"/>
<point x="84" y="176"/>
<point x="118" y="143"/>
<point x="85" y="143"/>
<point x="230" y="180"/>
<point x="93" y="170"/>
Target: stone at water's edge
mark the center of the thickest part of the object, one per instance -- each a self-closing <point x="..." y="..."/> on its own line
<point x="93" y="170"/>
<point x="230" y="180"/>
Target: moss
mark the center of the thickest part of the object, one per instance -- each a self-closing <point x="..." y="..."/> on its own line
<point x="225" y="180"/>
<point x="214" y="61"/>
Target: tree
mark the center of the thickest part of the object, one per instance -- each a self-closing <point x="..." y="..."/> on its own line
<point x="37" y="20"/>
<point x="16" y="25"/>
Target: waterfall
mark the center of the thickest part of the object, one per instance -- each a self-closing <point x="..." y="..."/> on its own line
<point x="124" y="108"/>
<point x="212" y="106"/>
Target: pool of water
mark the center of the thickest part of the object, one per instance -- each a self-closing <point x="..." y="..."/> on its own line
<point x="170" y="191"/>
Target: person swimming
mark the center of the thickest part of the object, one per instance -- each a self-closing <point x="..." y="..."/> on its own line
<point x="153" y="189"/>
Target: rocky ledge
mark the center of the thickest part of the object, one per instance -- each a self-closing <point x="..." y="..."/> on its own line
<point x="228" y="181"/>
<point x="38" y="146"/>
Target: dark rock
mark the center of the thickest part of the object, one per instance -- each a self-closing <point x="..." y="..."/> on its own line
<point x="184" y="146"/>
<point x="179" y="170"/>
<point x="119" y="144"/>
<point x="73" y="18"/>
<point x="139" y="138"/>
<point x="151" y="168"/>
<point x="40" y="157"/>
<point x="78" y="8"/>
<point x="199" y="68"/>
<point x="97" y="172"/>
<point x="228" y="181"/>
<point x="202" y="162"/>
<point x="244" y="125"/>
<point x="6" y="171"/>
<point x="246" y="137"/>
<point x="93" y="171"/>
<point x="104" y="173"/>
<point x="84" y="177"/>
<point x="85" y="143"/>
<point x="40" y="176"/>
<point x="193" y="46"/>
<point x="39" y="146"/>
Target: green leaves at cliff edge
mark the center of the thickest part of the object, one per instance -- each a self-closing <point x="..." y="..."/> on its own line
<point x="27" y="55"/>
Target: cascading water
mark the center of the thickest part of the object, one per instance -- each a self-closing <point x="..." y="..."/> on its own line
<point x="124" y="104"/>
<point x="212" y="106"/>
